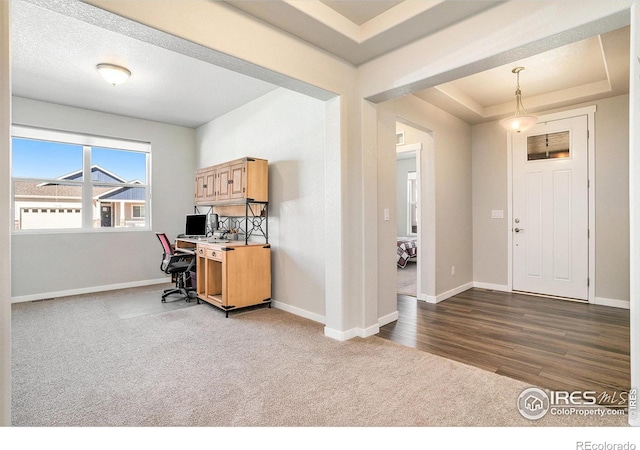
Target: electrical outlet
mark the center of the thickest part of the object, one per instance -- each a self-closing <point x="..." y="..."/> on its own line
<point x="453" y="270"/>
<point x="386" y="214"/>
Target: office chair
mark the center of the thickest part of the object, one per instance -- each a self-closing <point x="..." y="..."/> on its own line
<point x="177" y="265"/>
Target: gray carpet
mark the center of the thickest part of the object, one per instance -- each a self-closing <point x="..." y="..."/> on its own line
<point x="129" y="303"/>
<point x="76" y="363"/>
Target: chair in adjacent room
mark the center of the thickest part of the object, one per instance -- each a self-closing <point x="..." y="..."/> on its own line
<point x="179" y="266"/>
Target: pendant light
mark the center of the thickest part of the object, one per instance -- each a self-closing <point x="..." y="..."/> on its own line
<point x="521" y="121"/>
<point x="113" y="74"/>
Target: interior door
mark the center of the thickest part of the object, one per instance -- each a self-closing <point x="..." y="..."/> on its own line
<point x="551" y="209"/>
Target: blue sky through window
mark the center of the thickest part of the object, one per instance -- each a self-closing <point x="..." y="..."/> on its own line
<point x="42" y="159"/>
<point x="45" y="159"/>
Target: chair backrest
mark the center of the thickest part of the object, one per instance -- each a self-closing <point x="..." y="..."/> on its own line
<point x="166" y="244"/>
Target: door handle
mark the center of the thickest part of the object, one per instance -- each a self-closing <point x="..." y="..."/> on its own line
<point x="518" y="230"/>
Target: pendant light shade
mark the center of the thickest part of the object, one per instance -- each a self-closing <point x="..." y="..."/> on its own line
<point x="521" y="121"/>
<point x="113" y="74"/>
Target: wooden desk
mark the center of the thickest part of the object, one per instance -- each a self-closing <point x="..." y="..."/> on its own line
<point x="230" y="275"/>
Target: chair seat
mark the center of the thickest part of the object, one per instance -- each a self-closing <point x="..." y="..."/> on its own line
<point x="178" y="267"/>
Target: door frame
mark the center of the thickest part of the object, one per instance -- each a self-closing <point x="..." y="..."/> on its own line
<point x="588" y="111"/>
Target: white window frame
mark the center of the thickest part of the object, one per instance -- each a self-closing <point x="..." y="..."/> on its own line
<point x="87" y="142"/>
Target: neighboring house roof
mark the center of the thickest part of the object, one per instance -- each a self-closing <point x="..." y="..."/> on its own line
<point x="98" y="173"/>
<point x="61" y="190"/>
<point x="31" y="189"/>
<point x="123" y="193"/>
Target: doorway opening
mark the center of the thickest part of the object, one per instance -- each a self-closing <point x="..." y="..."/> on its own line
<point x="414" y="210"/>
<point x="407" y="222"/>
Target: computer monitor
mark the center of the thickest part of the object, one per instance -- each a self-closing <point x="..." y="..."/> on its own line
<point x="196" y="225"/>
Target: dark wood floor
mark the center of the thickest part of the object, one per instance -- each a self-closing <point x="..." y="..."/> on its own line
<point x="554" y="344"/>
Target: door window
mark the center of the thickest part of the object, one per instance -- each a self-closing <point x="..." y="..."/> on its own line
<point x="548" y="146"/>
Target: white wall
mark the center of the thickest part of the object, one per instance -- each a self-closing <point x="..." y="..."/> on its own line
<point x="612" y="198"/>
<point x="611" y="192"/>
<point x="287" y="129"/>
<point x="67" y="263"/>
<point x="489" y="168"/>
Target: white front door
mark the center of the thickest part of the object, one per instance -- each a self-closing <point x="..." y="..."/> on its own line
<point x="551" y="209"/>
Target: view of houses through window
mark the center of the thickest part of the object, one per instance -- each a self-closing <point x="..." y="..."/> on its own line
<point x="66" y="181"/>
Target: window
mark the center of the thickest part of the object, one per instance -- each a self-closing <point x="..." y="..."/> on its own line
<point x="137" y="211"/>
<point x="548" y="146"/>
<point x="81" y="182"/>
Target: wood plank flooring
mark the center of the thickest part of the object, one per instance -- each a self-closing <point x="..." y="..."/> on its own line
<point x="554" y="344"/>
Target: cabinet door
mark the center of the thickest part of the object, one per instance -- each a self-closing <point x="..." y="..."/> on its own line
<point x="237" y="180"/>
<point x="209" y="186"/>
<point x="223" y="183"/>
<point x="247" y="276"/>
<point x="200" y="186"/>
<point x="205" y="186"/>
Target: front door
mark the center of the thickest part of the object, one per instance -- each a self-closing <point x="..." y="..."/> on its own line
<point x="105" y="216"/>
<point x="550" y="209"/>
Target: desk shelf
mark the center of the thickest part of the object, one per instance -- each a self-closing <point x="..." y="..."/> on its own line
<point x="250" y="218"/>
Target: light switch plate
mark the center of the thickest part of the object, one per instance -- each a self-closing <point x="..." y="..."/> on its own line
<point x="497" y="214"/>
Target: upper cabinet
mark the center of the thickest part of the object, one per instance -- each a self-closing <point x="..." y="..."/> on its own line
<point x="205" y="186"/>
<point x="238" y="181"/>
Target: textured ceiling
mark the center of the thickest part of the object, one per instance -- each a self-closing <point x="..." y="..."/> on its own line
<point x="54" y="58"/>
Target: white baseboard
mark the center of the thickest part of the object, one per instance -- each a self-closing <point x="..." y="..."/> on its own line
<point x="369" y="331"/>
<point x="88" y="290"/>
<point x="352" y="333"/>
<point x="341" y="335"/>
<point x="382" y="321"/>
<point x="298" y="311"/>
<point x="445" y="295"/>
<point x="624" y="304"/>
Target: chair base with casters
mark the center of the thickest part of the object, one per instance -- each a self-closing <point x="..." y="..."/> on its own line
<point x="180" y="288"/>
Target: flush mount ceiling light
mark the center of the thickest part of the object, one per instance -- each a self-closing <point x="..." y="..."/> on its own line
<point x="521" y="121"/>
<point x="113" y="74"/>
